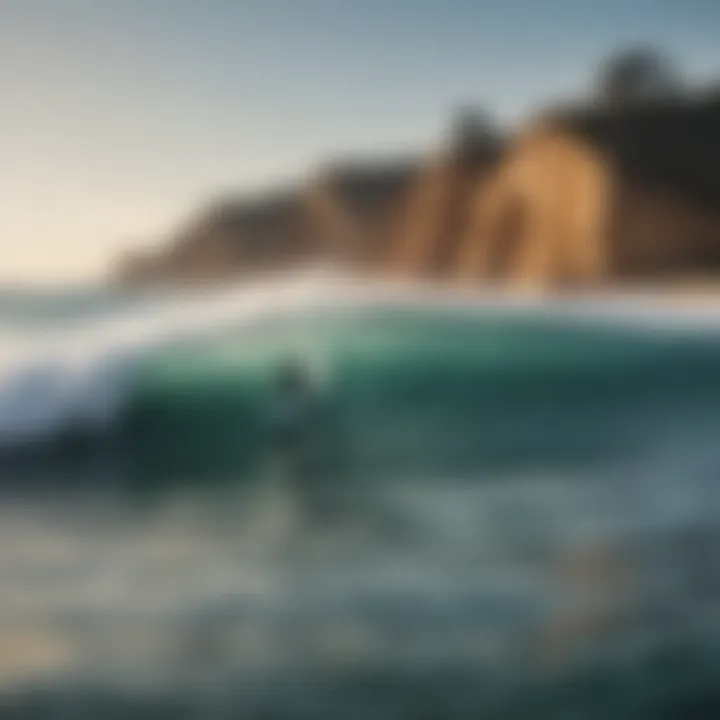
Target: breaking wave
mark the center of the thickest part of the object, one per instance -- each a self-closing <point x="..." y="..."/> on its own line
<point x="417" y="377"/>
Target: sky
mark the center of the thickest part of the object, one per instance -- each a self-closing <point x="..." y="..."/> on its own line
<point x="119" y="118"/>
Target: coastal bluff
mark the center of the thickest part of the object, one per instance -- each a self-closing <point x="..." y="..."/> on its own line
<point x="578" y="196"/>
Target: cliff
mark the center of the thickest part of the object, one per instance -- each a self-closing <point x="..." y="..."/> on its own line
<point x="578" y="196"/>
<point x="439" y="206"/>
<point x="230" y="238"/>
<point x="355" y="206"/>
<point x="602" y="195"/>
<point x="342" y="214"/>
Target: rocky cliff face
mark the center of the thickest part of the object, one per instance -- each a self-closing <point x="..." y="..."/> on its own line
<point x="354" y="209"/>
<point x="577" y="197"/>
<point x="596" y="196"/>
<point x="232" y="238"/>
<point x="426" y="238"/>
<point x="342" y="215"/>
<point x="434" y="216"/>
<point x="540" y="219"/>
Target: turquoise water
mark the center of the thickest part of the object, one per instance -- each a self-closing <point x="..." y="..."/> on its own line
<point x="427" y="393"/>
<point x="523" y="512"/>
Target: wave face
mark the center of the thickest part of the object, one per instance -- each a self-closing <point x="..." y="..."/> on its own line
<point x="523" y="493"/>
<point x="417" y="380"/>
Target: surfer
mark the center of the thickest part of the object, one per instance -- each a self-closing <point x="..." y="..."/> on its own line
<point x="293" y="432"/>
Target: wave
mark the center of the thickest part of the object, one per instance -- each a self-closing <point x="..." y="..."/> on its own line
<point x="433" y="376"/>
<point x="81" y="372"/>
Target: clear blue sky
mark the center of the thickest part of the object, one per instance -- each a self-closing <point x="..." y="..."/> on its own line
<point x="118" y="117"/>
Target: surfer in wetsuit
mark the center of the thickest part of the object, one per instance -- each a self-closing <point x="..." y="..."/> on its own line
<point x="293" y="432"/>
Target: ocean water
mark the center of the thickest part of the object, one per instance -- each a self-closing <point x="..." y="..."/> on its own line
<point x="520" y="504"/>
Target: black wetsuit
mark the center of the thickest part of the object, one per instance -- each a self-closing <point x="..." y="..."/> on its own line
<point x="294" y="444"/>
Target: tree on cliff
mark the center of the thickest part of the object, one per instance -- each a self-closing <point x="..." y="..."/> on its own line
<point x="639" y="73"/>
<point x="473" y="132"/>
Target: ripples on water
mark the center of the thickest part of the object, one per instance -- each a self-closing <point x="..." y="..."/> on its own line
<point x="522" y="522"/>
